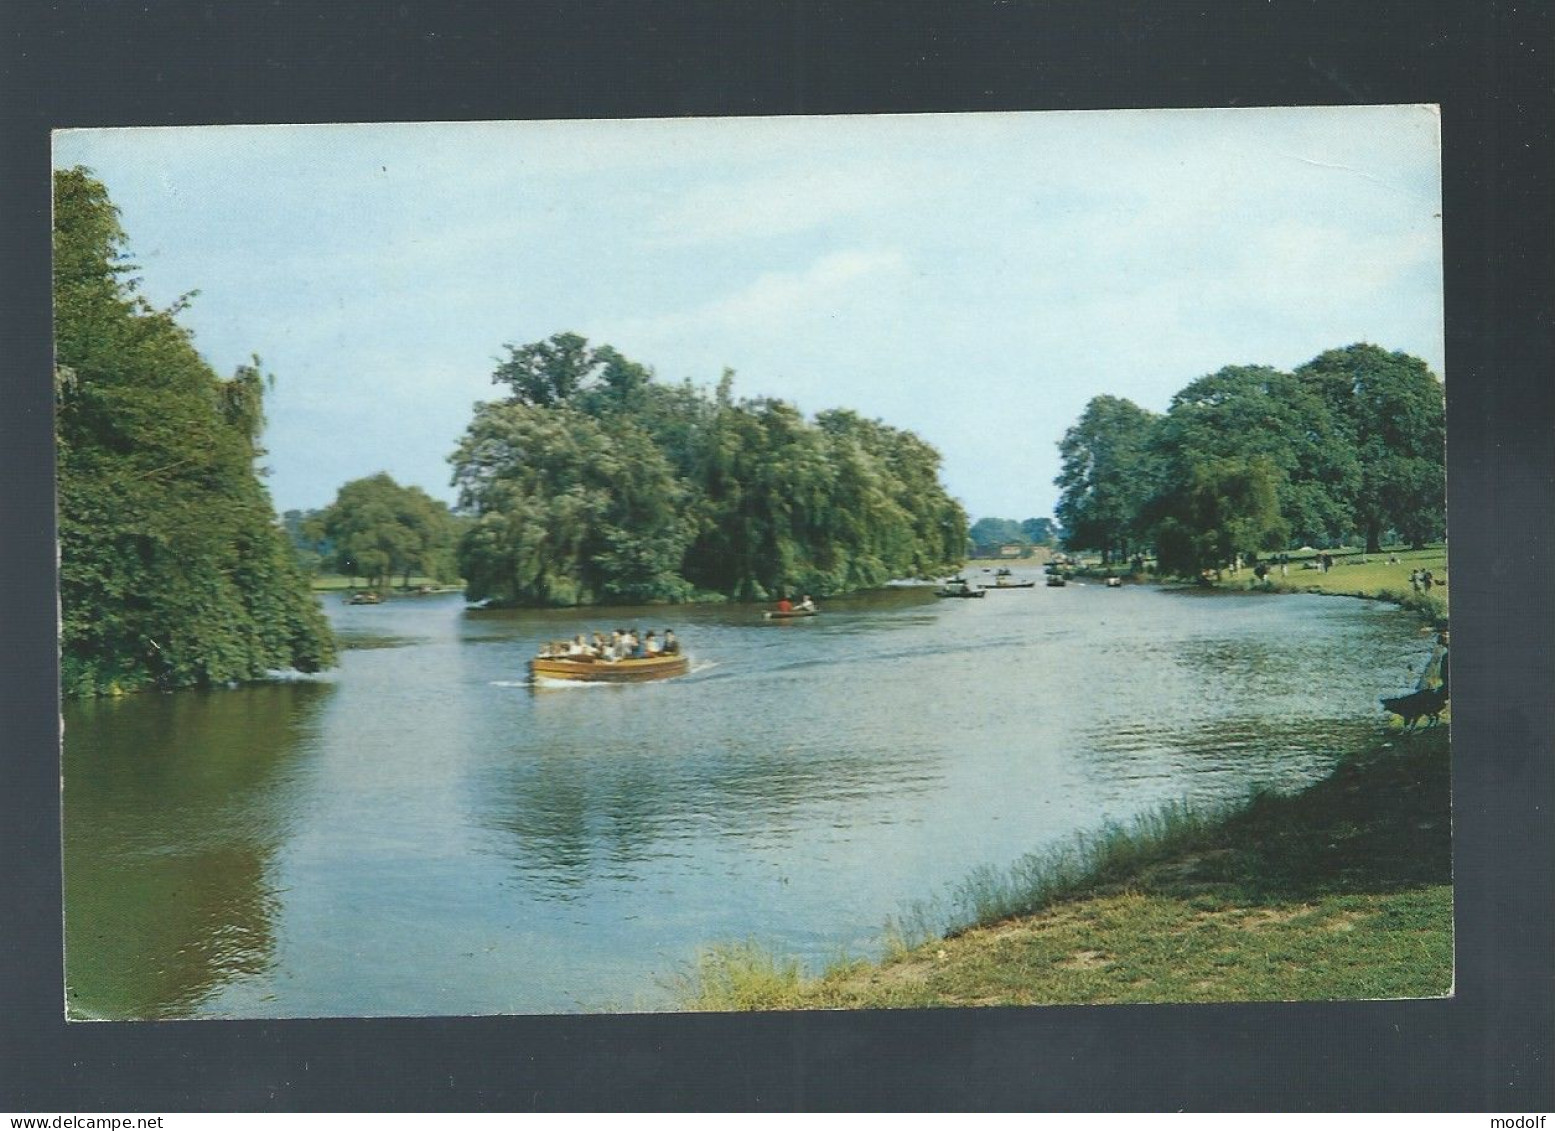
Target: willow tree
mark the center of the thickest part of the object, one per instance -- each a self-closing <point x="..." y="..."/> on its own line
<point x="592" y="482"/>
<point x="565" y="511"/>
<point x="173" y="569"/>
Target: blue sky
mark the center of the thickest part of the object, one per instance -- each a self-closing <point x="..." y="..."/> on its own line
<point x="975" y="278"/>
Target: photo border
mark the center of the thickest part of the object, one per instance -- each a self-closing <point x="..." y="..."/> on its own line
<point x="1487" y="1048"/>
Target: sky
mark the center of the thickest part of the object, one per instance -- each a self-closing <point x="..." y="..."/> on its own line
<point x="976" y="278"/>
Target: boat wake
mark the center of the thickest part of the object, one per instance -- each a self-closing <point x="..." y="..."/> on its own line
<point x="550" y="683"/>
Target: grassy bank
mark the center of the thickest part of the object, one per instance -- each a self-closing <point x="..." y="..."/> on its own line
<point x="1377" y="577"/>
<point x="335" y="583"/>
<point x="1340" y="891"/>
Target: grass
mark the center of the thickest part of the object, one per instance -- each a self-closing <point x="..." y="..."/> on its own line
<point x="1374" y="576"/>
<point x="1340" y="891"/>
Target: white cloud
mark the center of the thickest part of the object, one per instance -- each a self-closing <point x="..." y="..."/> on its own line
<point x="773" y="206"/>
<point x="777" y="303"/>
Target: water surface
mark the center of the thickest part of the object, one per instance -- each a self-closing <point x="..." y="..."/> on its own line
<point x="422" y="832"/>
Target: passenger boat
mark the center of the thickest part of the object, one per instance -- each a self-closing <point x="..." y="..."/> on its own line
<point x="587" y="669"/>
<point x="1056" y="581"/>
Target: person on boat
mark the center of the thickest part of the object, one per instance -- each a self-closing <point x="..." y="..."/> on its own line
<point x="578" y="646"/>
<point x="807" y="605"/>
<point x="651" y="646"/>
<point x="671" y="645"/>
<point x="784" y="605"/>
<point x="634" y="645"/>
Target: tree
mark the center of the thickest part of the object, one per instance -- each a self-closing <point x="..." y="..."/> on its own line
<point x="988" y="534"/>
<point x="565" y="511"/>
<point x="376" y="528"/>
<point x="1391" y="410"/>
<point x="308" y="541"/>
<point x="549" y="373"/>
<point x="1107" y="476"/>
<point x="173" y="569"/>
<point x="1040" y="531"/>
<point x="1246" y="415"/>
<point x="593" y="483"/>
<point x="1224" y="507"/>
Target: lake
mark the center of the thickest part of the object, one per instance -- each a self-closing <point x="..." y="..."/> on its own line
<point x="422" y="832"/>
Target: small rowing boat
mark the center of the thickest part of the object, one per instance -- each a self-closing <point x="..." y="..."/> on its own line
<point x="790" y="614"/>
<point x="957" y="587"/>
<point x="1006" y="580"/>
<point x="587" y="669"/>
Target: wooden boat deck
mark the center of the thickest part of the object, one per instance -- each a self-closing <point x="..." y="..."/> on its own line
<point x="585" y="669"/>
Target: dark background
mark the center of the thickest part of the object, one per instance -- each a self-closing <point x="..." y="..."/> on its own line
<point x="1487" y="63"/>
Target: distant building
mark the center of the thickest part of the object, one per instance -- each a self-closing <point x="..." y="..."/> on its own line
<point x="1012" y="550"/>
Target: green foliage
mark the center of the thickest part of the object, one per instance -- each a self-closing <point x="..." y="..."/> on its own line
<point x="1392" y="412"/>
<point x="376" y="529"/>
<point x="1225" y="507"/>
<point x="594" y="484"/>
<point x="173" y="571"/>
<point x="988" y="534"/>
<point x="1107" y="476"/>
<point x="568" y="509"/>
<point x="1040" y="531"/>
<point x="1252" y="459"/>
<point x="1253" y="416"/>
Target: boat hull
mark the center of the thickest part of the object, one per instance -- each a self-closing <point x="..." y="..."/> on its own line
<point x="793" y="614"/>
<point x="1010" y="585"/>
<point x="609" y="671"/>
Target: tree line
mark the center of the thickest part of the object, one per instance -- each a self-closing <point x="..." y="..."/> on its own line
<point x="377" y="530"/>
<point x="173" y="571"/>
<point x="591" y="482"/>
<point x="988" y="534"/>
<point x="1252" y="460"/>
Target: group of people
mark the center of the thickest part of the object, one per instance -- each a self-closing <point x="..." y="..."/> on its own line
<point x="622" y="644"/>
<point x="1421" y="580"/>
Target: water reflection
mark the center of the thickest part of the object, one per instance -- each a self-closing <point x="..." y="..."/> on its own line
<point x="578" y="812"/>
<point x="167" y="843"/>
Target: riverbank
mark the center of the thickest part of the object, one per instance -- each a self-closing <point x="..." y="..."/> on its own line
<point x="1340" y="891"/>
<point x="1378" y="578"/>
<point x="1375" y="577"/>
<point x="336" y="583"/>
